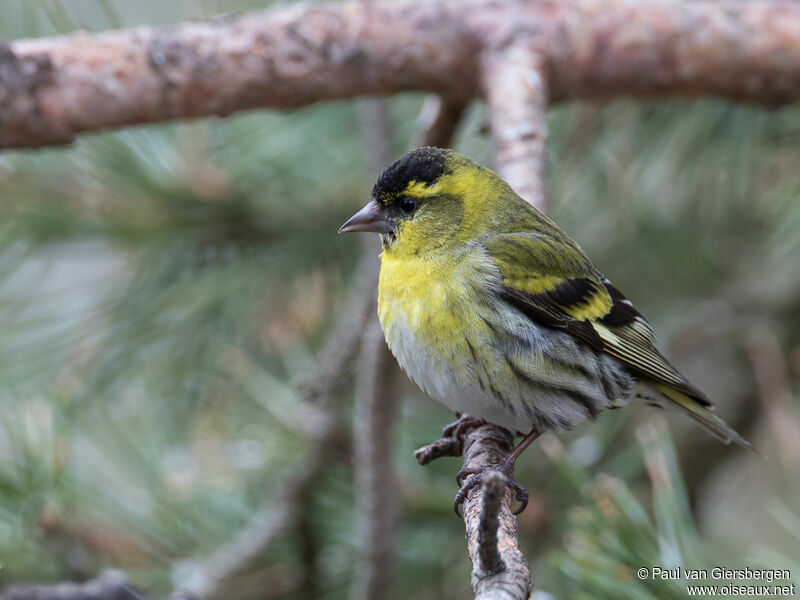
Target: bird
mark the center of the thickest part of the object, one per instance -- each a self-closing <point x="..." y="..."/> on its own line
<point x="493" y="310"/>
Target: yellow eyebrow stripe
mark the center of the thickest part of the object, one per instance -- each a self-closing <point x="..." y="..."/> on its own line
<point x="421" y="190"/>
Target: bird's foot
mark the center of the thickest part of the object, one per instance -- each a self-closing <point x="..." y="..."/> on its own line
<point x="452" y="441"/>
<point x="464" y="423"/>
<point x="471" y="478"/>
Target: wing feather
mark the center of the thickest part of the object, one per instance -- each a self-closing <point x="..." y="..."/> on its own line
<point x="562" y="289"/>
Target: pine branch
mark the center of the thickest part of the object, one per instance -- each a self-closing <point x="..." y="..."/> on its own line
<point x="499" y="569"/>
<point x="513" y="79"/>
<point x="54" y="88"/>
<point x="438" y="120"/>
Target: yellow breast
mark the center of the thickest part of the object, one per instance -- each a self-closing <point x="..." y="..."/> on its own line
<point x="422" y="295"/>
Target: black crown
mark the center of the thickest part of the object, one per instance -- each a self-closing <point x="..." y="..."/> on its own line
<point x="424" y="165"/>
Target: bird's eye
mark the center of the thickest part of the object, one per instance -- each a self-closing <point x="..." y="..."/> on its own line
<point x="407" y="205"/>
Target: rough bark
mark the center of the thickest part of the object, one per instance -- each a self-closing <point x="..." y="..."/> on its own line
<point x="54" y="88"/>
<point x="516" y="92"/>
<point x="499" y="569"/>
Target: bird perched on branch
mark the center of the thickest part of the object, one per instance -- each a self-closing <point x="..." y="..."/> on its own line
<point x="494" y="311"/>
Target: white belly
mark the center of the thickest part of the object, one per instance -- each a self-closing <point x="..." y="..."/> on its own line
<point x="516" y="386"/>
<point x="454" y="385"/>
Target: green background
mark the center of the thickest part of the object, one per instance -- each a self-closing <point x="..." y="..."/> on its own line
<point x="163" y="288"/>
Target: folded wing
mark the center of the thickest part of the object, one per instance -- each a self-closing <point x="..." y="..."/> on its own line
<point x="551" y="281"/>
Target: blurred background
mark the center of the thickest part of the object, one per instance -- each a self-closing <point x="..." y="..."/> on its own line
<point x="166" y="291"/>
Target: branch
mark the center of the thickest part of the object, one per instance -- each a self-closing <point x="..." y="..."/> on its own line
<point x="438" y="120"/>
<point x="499" y="569"/>
<point x="449" y="446"/>
<point x="111" y="586"/>
<point x="375" y="486"/>
<point x="517" y="98"/>
<point x="54" y="88"/>
<point x="288" y="57"/>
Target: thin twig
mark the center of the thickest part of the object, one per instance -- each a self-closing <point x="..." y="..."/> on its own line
<point x="449" y="446"/>
<point x="499" y="569"/>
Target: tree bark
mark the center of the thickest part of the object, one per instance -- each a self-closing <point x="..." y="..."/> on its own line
<point x="54" y="88"/>
<point x="499" y="569"/>
<point x="516" y="92"/>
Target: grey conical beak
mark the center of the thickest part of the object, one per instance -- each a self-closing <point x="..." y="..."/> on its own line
<point x="370" y="218"/>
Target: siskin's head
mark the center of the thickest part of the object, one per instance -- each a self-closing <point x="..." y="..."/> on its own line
<point x="431" y="198"/>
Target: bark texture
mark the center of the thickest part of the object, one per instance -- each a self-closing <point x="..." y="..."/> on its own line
<point x="516" y="92"/>
<point x="54" y="88"/>
<point x="499" y="569"/>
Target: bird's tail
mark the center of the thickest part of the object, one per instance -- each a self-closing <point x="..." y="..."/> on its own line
<point x="718" y="428"/>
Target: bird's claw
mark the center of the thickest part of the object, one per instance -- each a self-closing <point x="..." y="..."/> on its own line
<point x="459" y="427"/>
<point x="471" y="478"/>
<point x="464" y="473"/>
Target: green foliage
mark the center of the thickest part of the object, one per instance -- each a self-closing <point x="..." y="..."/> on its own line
<point x="163" y="287"/>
